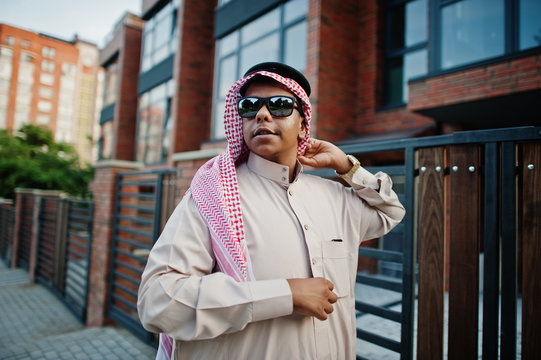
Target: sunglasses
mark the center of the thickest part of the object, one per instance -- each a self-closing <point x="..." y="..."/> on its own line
<point x="279" y="106"/>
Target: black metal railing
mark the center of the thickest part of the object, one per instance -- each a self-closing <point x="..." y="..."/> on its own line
<point x="48" y="241"/>
<point x="76" y="255"/>
<point x="137" y="224"/>
<point x="7" y="222"/>
<point x="25" y="232"/>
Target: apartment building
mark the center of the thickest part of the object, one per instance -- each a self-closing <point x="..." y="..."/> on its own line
<point x="51" y="82"/>
<point x="379" y="69"/>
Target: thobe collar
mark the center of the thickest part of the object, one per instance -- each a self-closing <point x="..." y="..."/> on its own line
<point x="271" y="170"/>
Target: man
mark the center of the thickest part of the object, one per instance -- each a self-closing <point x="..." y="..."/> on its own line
<point x="258" y="261"/>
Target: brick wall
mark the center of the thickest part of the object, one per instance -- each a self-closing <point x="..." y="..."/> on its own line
<point x="193" y="74"/>
<point x="126" y="104"/>
<point x="504" y="78"/>
<point x="103" y="190"/>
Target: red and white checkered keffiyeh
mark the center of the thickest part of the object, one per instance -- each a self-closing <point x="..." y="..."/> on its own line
<point x="215" y="191"/>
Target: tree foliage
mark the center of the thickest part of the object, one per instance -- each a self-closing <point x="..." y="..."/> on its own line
<point x="32" y="159"/>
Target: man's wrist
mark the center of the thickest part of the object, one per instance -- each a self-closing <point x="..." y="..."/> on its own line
<point x="355" y="165"/>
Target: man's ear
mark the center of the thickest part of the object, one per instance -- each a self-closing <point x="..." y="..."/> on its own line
<point x="302" y="130"/>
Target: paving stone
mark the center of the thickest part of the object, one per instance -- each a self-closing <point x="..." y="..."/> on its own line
<point x="35" y="324"/>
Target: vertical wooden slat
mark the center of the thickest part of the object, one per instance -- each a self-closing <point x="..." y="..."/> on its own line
<point x="508" y="233"/>
<point x="431" y="255"/>
<point x="531" y="251"/>
<point x="464" y="252"/>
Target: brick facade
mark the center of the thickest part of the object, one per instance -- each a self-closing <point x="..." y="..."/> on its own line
<point x="344" y="66"/>
<point x="193" y="74"/>
<point x="65" y="52"/>
<point x="487" y="81"/>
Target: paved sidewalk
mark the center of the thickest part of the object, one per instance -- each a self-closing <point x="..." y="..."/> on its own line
<point x="35" y="324"/>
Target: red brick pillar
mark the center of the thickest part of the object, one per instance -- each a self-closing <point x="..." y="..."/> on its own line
<point x="103" y="189"/>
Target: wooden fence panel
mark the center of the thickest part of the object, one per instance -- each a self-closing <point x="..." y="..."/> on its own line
<point x="464" y="252"/>
<point x="531" y="251"/>
<point x="431" y="254"/>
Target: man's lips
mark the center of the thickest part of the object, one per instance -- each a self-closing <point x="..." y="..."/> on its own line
<point x="262" y="131"/>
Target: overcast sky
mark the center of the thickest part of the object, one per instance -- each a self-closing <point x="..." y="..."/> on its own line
<point x="92" y="20"/>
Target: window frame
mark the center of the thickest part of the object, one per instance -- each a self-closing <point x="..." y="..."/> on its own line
<point x="511" y="46"/>
<point x="390" y="55"/>
<point x="511" y="38"/>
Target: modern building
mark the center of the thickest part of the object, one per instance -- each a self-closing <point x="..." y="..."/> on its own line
<point x="120" y="62"/>
<point x="51" y="82"/>
<point x="379" y="69"/>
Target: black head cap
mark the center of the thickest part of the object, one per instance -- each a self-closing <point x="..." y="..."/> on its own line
<point x="282" y="70"/>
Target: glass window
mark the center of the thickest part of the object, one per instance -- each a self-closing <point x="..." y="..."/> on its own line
<point x="295" y="46"/>
<point x="153" y="129"/>
<point x="106" y="141"/>
<point x="47" y="65"/>
<point x="109" y="94"/>
<point x="406" y="49"/>
<point x="228" y="44"/>
<point x="415" y="64"/>
<point x="295" y="9"/>
<point x="530" y="24"/>
<point x="160" y="36"/>
<point x="44" y="106"/>
<point x="48" y="52"/>
<point x="43" y="119"/>
<point x="6" y="52"/>
<point x="25" y="44"/>
<point x="4" y="98"/>
<point x="26" y="57"/>
<point x="279" y="35"/>
<point x="228" y="71"/>
<point x="10" y="40"/>
<point x="261" y="26"/>
<point x="265" y="49"/>
<point x="408" y="24"/>
<point x="45" y="92"/>
<point x="46" y="79"/>
<point x="162" y="32"/>
<point x="472" y="30"/>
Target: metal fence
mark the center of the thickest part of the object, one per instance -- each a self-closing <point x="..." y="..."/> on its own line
<point x="76" y="255"/>
<point x="142" y="204"/>
<point x="49" y="242"/>
<point x="25" y="233"/>
<point x="484" y="181"/>
<point x="7" y="222"/>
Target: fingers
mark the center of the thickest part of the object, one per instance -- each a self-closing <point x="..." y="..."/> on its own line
<point x="330" y="285"/>
<point x="313" y="297"/>
<point x="333" y="298"/>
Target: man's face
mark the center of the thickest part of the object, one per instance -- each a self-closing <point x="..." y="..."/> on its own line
<point x="273" y="138"/>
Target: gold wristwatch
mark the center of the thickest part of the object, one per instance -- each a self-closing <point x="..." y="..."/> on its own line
<point x="356" y="165"/>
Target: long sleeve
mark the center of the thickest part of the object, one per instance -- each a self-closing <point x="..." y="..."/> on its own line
<point x="385" y="210"/>
<point x="181" y="295"/>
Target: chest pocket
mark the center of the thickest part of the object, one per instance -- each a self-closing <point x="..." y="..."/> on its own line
<point x="335" y="266"/>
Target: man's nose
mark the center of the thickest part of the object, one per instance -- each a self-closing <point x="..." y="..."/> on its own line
<point x="263" y="114"/>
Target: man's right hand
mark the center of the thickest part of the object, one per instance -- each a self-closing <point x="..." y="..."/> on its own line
<point x="313" y="296"/>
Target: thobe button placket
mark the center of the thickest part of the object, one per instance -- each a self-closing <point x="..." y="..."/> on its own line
<point x="305" y="227"/>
